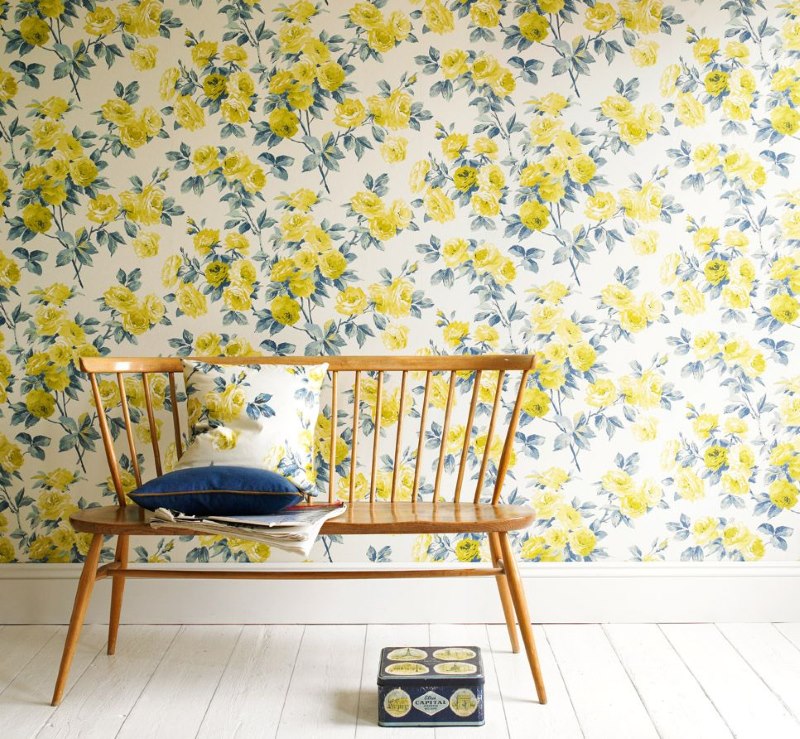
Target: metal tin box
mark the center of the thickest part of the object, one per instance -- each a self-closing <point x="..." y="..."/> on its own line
<point x="430" y="686"/>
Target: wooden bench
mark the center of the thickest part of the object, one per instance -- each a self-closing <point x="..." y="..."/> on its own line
<point x="484" y="380"/>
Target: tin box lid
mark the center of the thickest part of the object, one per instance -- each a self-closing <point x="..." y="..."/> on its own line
<point x="448" y="665"/>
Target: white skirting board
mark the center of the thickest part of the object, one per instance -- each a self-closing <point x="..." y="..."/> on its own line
<point x="557" y="593"/>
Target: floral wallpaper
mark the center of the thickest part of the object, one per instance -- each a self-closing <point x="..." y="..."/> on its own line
<point x="607" y="184"/>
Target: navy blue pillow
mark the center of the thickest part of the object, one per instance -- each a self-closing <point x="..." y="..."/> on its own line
<point x="219" y="490"/>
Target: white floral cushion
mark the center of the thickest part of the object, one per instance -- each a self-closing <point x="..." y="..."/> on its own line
<point x="256" y="415"/>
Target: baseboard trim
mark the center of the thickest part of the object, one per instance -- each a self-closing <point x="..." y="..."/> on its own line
<point x="557" y="592"/>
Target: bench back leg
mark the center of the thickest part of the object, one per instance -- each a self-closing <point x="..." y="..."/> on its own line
<point x="117" y="590"/>
<point x="523" y="616"/>
<point x="82" y="597"/>
<point x="505" y="593"/>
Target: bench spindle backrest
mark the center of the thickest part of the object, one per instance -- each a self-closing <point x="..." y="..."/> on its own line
<point x="470" y="376"/>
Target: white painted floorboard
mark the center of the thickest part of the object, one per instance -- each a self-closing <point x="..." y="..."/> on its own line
<point x="25" y="702"/>
<point x="326" y="683"/>
<point x="175" y="699"/>
<point x="672" y="696"/>
<point x="606" y="702"/>
<point x="743" y="699"/>
<point x="771" y="657"/>
<point x="249" y="698"/>
<point x="524" y="716"/>
<point x="319" y="682"/>
<point x="104" y="695"/>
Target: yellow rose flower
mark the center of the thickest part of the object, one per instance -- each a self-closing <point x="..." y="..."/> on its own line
<point x="535" y="402"/>
<point x="785" y="120"/>
<point x="783" y="494"/>
<point x="705" y="48"/>
<point x="7" y="552"/>
<point x="143" y="19"/>
<point x="455" y="252"/>
<point x="600" y="206"/>
<point x="215" y="85"/>
<point x="534" y="216"/>
<point x="351" y="301"/>
<point x="285" y="310"/>
<point x="349" y="113"/>
<point x="100" y="22"/>
<point x="234" y="53"/>
<point x="453" y="145"/>
<point x="784" y="308"/>
<point x="144" y="57"/>
<point x="393" y="149"/>
<point x="600" y="17"/>
<point x="468" y="550"/>
<point x="190" y="300"/>
<point x="689" y="110"/>
<point x="582" y="541"/>
<point x="34" y="31"/>
<point x="330" y="76"/>
<point x="40" y="403"/>
<point x="705" y="157"/>
<point x="582" y="168"/>
<point x="705" y="530"/>
<point x="453" y="63"/>
<point x="716" y="82"/>
<point x="189" y="114"/>
<point x="439" y="207"/>
<point x="169" y="79"/>
<point x="395" y="337"/>
<point x="292" y="37"/>
<point x="283" y="123"/>
<point x="533" y="27"/>
<point x="145" y="207"/>
<point x="689" y="485"/>
<point x="716" y="271"/>
<point x="37" y="218"/>
<point x="237" y="297"/>
<point x="582" y="356"/>
<point x="455" y="332"/>
<point x="689" y="299"/>
<point x="332" y="264"/>
<point x="11" y="458"/>
<point x="645" y="53"/>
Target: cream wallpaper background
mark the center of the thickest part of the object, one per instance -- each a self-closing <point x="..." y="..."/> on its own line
<point x="608" y="184"/>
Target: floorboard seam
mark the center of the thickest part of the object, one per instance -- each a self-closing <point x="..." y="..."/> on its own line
<point x="361" y="679"/>
<point x="755" y="671"/>
<point x="33" y="657"/>
<point x="697" y="680"/>
<point x="219" y="680"/>
<point x="497" y="677"/>
<point x="291" y="677"/>
<point x="630" y="679"/>
<point x="778" y="629"/>
<point x="149" y="679"/>
<point x="563" y="681"/>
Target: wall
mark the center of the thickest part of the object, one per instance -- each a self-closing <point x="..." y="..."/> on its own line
<point x="606" y="184"/>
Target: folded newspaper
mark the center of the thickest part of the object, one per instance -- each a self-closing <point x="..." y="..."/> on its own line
<point x="294" y="529"/>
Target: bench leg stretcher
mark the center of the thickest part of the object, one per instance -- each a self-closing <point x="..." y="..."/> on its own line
<point x="509" y="584"/>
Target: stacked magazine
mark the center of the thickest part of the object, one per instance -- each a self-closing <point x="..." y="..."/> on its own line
<point x="294" y="529"/>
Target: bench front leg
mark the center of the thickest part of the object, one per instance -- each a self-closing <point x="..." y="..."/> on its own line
<point x="82" y="597"/>
<point x="523" y="616"/>
<point x="505" y="593"/>
<point x="117" y="591"/>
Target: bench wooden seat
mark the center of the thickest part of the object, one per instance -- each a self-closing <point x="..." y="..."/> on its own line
<point x="396" y="518"/>
<point x="377" y="504"/>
